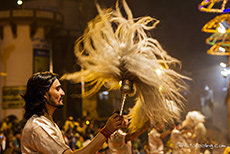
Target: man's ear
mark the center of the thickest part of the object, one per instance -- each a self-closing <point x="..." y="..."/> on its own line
<point x="46" y="95"/>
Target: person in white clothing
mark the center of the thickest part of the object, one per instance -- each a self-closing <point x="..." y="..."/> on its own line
<point x="178" y="140"/>
<point x="43" y="96"/>
<point x="156" y="145"/>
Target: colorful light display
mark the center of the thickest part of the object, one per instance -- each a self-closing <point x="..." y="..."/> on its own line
<point x="211" y="6"/>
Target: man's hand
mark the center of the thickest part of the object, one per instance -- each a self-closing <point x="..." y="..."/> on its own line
<point x="114" y="122"/>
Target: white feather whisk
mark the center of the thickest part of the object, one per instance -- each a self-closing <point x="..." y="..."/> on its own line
<point x="114" y="48"/>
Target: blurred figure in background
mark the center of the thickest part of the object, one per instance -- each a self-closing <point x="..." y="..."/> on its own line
<point x="70" y="124"/>
<point x="193" y="131"/>
<point x="177" y="139"/>
<point x="156" y="145"/>
<point x="2" y="142"/>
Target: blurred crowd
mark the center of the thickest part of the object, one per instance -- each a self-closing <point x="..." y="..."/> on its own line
<point x="10" y="134"/>
<point x="78" y="133"/>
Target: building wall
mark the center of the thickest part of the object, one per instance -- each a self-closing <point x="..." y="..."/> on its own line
<point x="16" y="61"/>
<point x="18" y="48"/>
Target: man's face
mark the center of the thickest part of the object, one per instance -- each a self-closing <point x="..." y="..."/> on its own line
<point x="55" y="95"/>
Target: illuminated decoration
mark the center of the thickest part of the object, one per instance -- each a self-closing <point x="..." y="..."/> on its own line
<point x="225" y="73"/>
<point x="209" y="6"/>
<point x="219" y="24"/>
<point x="223" y="64"/>
<point x="218" y="37"/>
<point x="221" y="49"/>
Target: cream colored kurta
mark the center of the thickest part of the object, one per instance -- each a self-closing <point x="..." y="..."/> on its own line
<point x="42" y="135"/>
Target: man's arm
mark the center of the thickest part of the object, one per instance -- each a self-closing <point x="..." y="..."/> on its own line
<point x="133" y="136"/>
<point x="114" y="122"/>
<point x="166" y="133"/>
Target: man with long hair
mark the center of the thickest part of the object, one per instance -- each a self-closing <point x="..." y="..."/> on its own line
<point x="43" y="96"/>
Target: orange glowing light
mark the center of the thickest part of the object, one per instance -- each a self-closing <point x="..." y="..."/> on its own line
<point x="220" y="49"/>
<point x="211" y="6"/>
<point x="213" y="25"/>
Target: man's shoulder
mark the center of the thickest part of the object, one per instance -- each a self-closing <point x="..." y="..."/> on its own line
<point x="35" y="121"/>
<point x="30" y="128"/>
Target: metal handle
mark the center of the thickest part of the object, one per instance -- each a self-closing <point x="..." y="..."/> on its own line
<point x="122" y="103"/>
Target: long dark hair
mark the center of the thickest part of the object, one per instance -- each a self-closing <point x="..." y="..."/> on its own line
<point x="37" y="85"/>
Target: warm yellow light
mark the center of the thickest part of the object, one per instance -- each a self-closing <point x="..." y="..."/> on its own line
<point x="222" y="64"/>
<point x="19" y="2"/>
<point x="160" y="88"/>
<point x="87" y="122"/>
<point x="211" y="7"/>
<point x="122" y="44"/>
<point x="158" y="71"/>
<point x="222" y="49"/>
<point x="225" y="72"/>
<point x="218" y="49"/>
<point x="3" y="74"/>
<point x="213" y="26"/>
<point x="221" y="29"/>
<point x="120" y="83"/>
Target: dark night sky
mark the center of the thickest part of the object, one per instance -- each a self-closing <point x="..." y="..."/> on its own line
<point x="8" y="4"/>
<point x="179" y="31"/>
